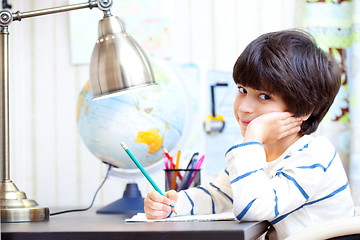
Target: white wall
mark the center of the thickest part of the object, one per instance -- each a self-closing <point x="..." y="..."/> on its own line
<point x="48" y="159"/>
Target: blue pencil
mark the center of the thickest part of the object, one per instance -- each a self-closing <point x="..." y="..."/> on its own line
<point x="142" y="169"/>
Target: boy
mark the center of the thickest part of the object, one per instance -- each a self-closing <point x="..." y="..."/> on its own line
<point x="279" y="172"/>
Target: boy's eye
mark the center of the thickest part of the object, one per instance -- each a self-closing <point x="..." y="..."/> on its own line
<point x="242" y="90"/>
<point x="265" y="97"/>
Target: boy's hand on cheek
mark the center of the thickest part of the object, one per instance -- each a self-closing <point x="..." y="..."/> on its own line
<point x="270" y="127"/>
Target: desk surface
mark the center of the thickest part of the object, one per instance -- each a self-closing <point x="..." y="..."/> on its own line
<point x="89" y="225"/>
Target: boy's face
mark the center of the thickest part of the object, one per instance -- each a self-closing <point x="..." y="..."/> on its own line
<point x="251" y="103"/>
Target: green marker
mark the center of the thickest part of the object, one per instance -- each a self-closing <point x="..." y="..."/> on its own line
<point x="142" y="169"/>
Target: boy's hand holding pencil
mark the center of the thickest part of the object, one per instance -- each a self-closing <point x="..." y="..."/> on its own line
<point x="157" y="206"/>
<point x="145" y="173"/>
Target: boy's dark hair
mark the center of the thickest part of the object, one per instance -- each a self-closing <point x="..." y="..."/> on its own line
<point x="289" y="64"/>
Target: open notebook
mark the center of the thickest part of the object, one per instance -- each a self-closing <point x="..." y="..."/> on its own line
<point x="225" y="216"/>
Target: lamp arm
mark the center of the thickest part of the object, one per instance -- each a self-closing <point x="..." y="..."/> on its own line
<point x="7" y="17"/>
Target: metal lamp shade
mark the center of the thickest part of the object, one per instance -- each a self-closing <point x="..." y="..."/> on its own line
<point x="117" y="63"/>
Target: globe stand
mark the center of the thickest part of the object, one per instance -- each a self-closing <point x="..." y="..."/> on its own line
<point x="131" y="203"/>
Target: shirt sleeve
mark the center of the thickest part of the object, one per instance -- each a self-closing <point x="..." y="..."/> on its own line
<point x="214" y="197"/>
<point x="311" y="174"/>
<point x="246" y="163"/>
<point x="258" y="196"/>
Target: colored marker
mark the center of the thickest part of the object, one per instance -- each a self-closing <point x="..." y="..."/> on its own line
<point x="172" y="165"/>
<point x="166" y="164"/>
<point x="173" y="185"/>
<point x="137" y="163"/>
<point x="194" y="156"/>
<point x="197" y="166"/>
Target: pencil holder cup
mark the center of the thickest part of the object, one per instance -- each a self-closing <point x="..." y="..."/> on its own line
<point x="180" y="179"/>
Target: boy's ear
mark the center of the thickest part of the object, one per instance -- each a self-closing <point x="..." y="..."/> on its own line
<point x="305" y="117"/>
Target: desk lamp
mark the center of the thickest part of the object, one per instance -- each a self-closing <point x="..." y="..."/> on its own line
<point x="117" y="64"/>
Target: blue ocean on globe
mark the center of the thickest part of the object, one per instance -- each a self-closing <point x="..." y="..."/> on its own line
<point x="146" y="121"/>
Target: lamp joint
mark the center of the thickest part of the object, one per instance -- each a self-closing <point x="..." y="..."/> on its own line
<point x="104" y="4"/>
<point x="6" y="17"/>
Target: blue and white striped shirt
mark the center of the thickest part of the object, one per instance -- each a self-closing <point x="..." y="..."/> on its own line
<point x="304" y="186"/>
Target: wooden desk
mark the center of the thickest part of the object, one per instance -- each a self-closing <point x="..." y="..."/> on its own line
<point x="89" y="225"/>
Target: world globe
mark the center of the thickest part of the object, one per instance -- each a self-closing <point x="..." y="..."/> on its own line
<point x="146" y="121"/>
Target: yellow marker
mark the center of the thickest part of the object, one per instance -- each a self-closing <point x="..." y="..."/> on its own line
<point x="173" y="186"/>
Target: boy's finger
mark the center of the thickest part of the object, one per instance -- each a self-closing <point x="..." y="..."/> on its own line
<point x="157" y="206"/>
<point x="157" y="197"/>
<point x="156" y="213"/>
<point x="172" y="195"/>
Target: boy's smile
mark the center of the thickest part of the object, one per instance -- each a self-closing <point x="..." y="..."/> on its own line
<point x="251" y="103"/>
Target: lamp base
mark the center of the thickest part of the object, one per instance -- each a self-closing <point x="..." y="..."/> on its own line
<point x="15" y="207"/>
<point x="130" y="203"/>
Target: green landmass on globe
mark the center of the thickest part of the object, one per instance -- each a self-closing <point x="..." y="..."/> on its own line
<point x="146" y="120"/>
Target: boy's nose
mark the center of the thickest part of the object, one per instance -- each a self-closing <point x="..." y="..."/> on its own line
<point x="247" y="105"/>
